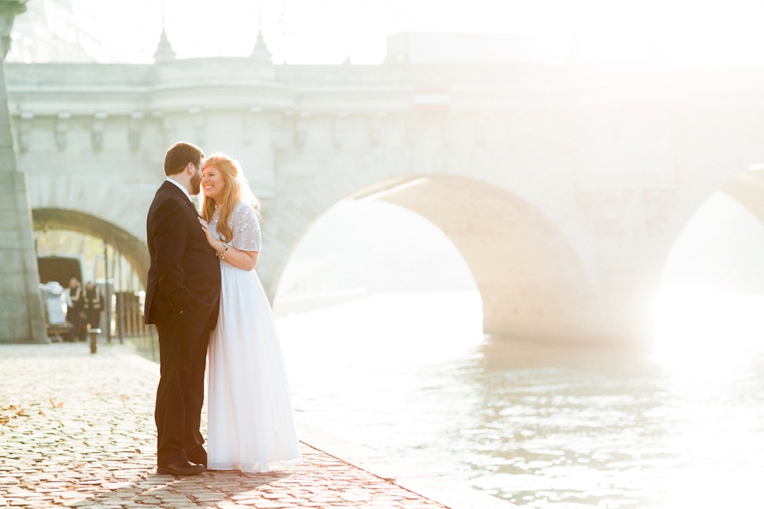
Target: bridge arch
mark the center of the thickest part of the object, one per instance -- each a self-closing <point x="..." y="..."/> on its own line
<point x="531" y="281"/>
<point x="744" y="191"/>
<point x="747" y="188"/>
<point x="708" y="301"/>
<point x="130" y="247"/>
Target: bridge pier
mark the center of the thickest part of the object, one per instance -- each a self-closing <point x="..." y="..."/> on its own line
<point x="21" y="315"/>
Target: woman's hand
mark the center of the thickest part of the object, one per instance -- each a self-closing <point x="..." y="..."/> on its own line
<point x="213" y="242"/>
<point x="245" y="260"/>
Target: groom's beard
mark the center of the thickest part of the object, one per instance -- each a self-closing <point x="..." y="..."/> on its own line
<point x="196" y="184"/>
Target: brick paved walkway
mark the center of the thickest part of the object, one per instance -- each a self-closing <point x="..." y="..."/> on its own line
<point x="77" y="430"/>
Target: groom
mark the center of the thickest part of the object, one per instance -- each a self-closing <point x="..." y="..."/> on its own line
<point x="182" y="299"/>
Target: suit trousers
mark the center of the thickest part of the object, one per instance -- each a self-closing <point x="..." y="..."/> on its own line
<point x="182" y="353"/>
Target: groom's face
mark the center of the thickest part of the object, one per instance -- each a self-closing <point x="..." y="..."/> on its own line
<point x="196" y="180"/>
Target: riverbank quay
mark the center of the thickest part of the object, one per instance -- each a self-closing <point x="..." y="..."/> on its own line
<point x="77" y="430"/>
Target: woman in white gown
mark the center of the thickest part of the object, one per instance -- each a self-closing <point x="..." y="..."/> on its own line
<point x="250" y="426"/>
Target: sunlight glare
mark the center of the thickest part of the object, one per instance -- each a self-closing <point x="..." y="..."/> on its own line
<point x="682" y="32"/>
<point x="373" y="296"/>
<point x="702" y="328"/>
<point x="709" y="311"/>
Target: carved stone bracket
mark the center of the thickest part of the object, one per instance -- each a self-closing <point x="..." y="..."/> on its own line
<point x="281" y="127"/>
<point x="197" y="120"/>
<point x="375" y="129"/>
<point x="25" y="130"/>
<point x="248" y="122"/>
<point x="339" y="128"/>
<point x="134" y="131"/>
<point x="301" y="130"/>
<point x="169" y="127"/>
<point x="99" y="126"/>
<point x="62" y="130"/>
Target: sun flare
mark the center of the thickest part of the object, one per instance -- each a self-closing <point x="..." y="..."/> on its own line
<point x="706" y="327"/>
<point x="709" y="310"/>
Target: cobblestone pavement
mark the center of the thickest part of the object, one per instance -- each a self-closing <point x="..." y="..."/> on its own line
<point x="77" y="430"/>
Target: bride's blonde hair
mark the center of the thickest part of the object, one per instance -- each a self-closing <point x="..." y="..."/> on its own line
<point x="236" y="189"/>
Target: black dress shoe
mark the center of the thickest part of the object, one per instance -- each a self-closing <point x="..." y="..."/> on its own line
<point x="202" y="462"/>
<point x="181" y="467"/>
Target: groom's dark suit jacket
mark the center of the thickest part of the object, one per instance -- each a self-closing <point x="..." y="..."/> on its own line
<point x="182" y="299"/>
<point x="184" y="276"/>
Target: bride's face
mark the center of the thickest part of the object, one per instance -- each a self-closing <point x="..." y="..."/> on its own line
<point x="213" y="184"/>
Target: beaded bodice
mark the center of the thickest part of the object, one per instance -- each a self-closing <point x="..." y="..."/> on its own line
<point x="243" y="224"/>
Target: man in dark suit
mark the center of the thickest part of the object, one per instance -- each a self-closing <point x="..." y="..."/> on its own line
<point x="74" y="309"/>
<point x="182" y="300"/>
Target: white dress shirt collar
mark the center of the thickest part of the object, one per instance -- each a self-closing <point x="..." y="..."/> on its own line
<point x="180" y="186"/>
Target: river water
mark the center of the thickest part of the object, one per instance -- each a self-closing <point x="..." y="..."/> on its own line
<point x="413" y="376"/>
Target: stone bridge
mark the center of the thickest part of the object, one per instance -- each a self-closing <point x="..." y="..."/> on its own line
<point x="563" y="186"/>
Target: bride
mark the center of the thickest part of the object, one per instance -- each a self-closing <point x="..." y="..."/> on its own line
<point x="249" y="423"/>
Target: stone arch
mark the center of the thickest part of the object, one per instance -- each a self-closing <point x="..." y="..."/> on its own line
<point x="532" y="283"/>
<point x="747" y="188"/>
<point x="133" y="249"/>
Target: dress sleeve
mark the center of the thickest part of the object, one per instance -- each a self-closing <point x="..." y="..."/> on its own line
<point x="246" y="228"/>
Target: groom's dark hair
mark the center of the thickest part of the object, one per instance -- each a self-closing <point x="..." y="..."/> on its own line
<point x="179" y="155"/>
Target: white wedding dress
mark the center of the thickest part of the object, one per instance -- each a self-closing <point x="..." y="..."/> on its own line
<point x="250" y="426"/>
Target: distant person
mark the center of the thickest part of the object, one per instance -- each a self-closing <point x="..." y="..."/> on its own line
<point x="75" y="306"/>
<point x="93" y="304"/>
<point x="250" y="426"/>
<point x="182" y="299"/>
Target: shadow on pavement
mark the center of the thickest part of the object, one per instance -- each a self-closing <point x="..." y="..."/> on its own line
<point x="204" y="490"/>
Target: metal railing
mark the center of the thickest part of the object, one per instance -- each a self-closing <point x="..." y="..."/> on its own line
<point x="129" y="325"/>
